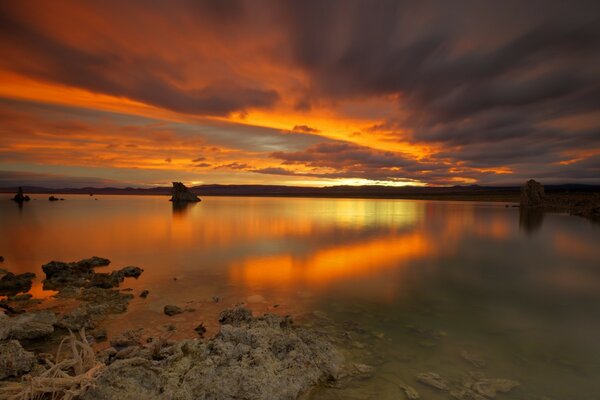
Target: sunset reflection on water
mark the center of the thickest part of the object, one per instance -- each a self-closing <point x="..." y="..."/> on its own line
<point x="520" y="292"/>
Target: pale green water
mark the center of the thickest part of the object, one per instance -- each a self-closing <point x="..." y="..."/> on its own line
<point x="413" y="283"/>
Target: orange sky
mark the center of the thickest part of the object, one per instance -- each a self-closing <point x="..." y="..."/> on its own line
<point x="235" y="92"/>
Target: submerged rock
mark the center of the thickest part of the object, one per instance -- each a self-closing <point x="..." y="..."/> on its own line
<point x="474" y="359"/>
<point x="200" y="329"/>
<point x="28" y="326"/>
<point x="11" y="284"/>
<point x="171" y="310"/>
<point x="488" y="387"/>
<point x="410" y="392"/>
<point x="181" y="194"/>
<point x="14" y="360"/>
<point x="1" y="259"/>
<point x="20" y="197"/>
<point x="532" y="194"/>
<point x="144" y="294"/>
<point x="252" y="359"/>
<point x="432" y="379"/>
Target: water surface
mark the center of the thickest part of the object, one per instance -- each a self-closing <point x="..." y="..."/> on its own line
<point x="414" y="283"/>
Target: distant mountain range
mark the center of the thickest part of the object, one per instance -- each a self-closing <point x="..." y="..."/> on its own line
<point x="459" y="192"/>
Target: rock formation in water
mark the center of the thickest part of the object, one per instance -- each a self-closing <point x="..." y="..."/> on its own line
<point x="20" y="197"/>
<point x="532" y="194"/>
<point x="181" y="194"/>
<point x="535" y="201"/>
<point x="11" y="284"/>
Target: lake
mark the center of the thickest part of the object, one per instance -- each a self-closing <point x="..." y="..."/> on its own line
<point x="411" y="285"/>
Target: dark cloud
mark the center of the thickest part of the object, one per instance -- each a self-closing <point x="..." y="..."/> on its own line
<point x="346" y="160"/>
<point x="482" y="79"/>
<point x="148" y="79"/>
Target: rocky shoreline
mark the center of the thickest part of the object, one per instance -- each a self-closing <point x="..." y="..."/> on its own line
<point x="251" y="357"/>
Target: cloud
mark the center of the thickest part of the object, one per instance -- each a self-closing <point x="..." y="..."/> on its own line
<point x="475" y="89"/>
<point x="119" y="71"/>
<point x="305" y="129"/>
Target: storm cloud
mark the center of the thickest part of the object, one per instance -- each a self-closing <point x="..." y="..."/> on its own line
<point x="399" y="91"/>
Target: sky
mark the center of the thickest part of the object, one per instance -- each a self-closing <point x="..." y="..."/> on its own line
<point x="311" y="93"/>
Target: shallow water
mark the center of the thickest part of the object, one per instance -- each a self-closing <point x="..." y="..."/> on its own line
<point x="414" y="283"/>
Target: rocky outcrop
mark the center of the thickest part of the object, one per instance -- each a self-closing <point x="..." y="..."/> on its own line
<point x="171" y="310"/>
<point x="28" y="326"/>
<point x="532" y="194"/>
<point x="250" y="358"/>
<point x="181" y="194"/>
<point x="60" y="274"/>
<point x="11" y="284"/>
<point x="14" y="360"/>
<point x="20" y="197"/>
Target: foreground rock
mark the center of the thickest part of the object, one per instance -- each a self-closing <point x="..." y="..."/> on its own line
<point x="32" y="325"/>
<point x="250" y="358"/>
<point x="14" y="360"/>
<point x="20" y="197"/>
<point x="11" y="284"/>
<point x="181" y="194"/>
<point x="96" y="303"/>
<point x="60" y="274"/>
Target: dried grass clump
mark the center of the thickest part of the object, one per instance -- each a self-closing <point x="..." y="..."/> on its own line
<point x="66" y="379"/>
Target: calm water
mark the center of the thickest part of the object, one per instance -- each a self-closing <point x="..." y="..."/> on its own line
<point x="414" y="283"/>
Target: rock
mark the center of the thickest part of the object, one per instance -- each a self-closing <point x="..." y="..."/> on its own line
<point x="235" y="316"/>
<point x="171" y="310"/>
<point x="258" y="359"/>
<point x="488" y="387"/>
<point x="93" y="262"/>
<point x="127" y="339"/>
<point x="1" y="259"/>
<point x="11" y="284"/>
<point x="28" y="326"/>
<point x="200" y="330"/>
<point x="474" y="359"/>
<point x="363" y="369"/>
<point x="465" y="394"/>
<point x="14" y="360"/>
<point x="181" y="194"/>
<point x="144" y="294"/>
<point x="532" y="194"/>
<point x="410" y="392"/>
<point x="432" y="379"/>
<point x="131" y="272"/>
<point x="52" y="198"/>
<point x="105" y="281"/>
<point x="106" y="355"/>
<point x="216" y="299"/>
<point x="81" y="317"/>
<point x="20" y="197"/>
<point x="60" y="274"/>
<point x="98" y="334"/>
